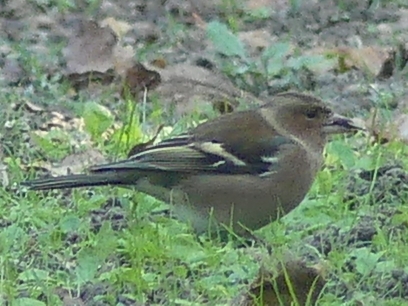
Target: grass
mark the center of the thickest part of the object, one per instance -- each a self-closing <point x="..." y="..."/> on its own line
<point x="114" y="246"/>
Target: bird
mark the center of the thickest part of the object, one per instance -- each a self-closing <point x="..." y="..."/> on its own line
<point x="239" y="171"/>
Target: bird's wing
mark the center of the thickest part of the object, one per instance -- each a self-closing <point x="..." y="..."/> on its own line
<point x="211" y="152"/>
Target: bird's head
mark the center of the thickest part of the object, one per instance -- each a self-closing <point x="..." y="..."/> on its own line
<point x="306" y="118"/>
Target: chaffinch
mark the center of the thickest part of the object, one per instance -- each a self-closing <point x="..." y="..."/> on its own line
<point x="243" y="169"/>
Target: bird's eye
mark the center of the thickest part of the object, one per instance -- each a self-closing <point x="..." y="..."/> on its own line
<point x="311" y="113"/>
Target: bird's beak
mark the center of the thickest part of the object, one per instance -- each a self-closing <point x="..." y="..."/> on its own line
<point x="338" y="124"/>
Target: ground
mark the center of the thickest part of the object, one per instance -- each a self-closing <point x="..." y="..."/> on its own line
<point x="70" y="93"/>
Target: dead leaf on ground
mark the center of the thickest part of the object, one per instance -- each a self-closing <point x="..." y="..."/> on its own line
<point x="12" y="72"/>
<point x="73" y="130"/>
<point x="96" y="52"/>
<point x="273" y="285"/>
<point x="191" y="88"/>
<point x="120" y="28"/>
<point x="147" y="31"/>
<point x="257" y="40"/>
<point x="90" y="49"/>
<point x="59" y="120"/>
<point x="123" y="59"/>
<point x="384" y="129"/>
<point x="4" y="177"/>
<point x="33" y="108"/>
<point x="72" y="164"/>
<point x="375" y="60"/>
<point x="138" y="78"/>
<point x="83" y="80"/>
<point x="76" y="163"/>
<point x="72" y="301"/>
<point x="185" y="9"/>
<point x="67" y="298"/>
<point x="277" y="5"/>
<point x="159" y="63"/>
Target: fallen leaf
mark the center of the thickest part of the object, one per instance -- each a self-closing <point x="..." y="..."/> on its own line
<point x="4" y="177"/>
<point x="147" y="31"/>
<point x="123" y="59"/>
<point x="95" y="53"/>
<point x="58" y="120"/>
<point x="257" y="40"/>
<point x="119" y="27"/>
<point x="138" y="78"/>
<point x="84" y="80"/>
<point x="72" y="164"/>
<point x="371" y="59"/>
<point x="273" y="285"/>
<point x="71" y="301"/>
<point x="159" y="63"/>
<point x="223" y="107"/>
<point x="90" y="49"/>
<point x="190" y="88"/>
<point x="12" y="72"/>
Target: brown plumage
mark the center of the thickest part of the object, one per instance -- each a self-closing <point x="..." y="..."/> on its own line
<point x="244" y="168"/>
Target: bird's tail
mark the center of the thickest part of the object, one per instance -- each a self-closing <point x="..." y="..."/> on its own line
<point x="83" y="180"/>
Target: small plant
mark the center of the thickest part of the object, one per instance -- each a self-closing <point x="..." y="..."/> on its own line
<point x="280" y="61"/>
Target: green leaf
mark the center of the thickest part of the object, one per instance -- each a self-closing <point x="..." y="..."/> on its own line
<point x="88" y="263"/>
<point x="28" y="302"/>
<point x="366" y="162"/>
<point x="224" y="40"/>
<point x="34" y="275"/>
<point x="366" y="261"/>
<point x="343" y="152"/>
<point x="69" y="223"/>
<point x="97" y="119"/>
<point x="90" y="258"/>
<point x="307" y="61"/>
<point x="106" y="241"/>
<point x="12" y="237"/>
<point x="274" y="58"/>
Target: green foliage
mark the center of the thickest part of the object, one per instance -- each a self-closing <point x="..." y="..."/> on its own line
<point x="97" y="119"/>
<point x="278" y="61"/>
<point x="224" y="41"/>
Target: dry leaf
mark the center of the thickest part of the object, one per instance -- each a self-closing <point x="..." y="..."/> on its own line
<point x="191" y="88"/>
<point x="277" y="5"/>
<point x="159" y="63"/>
<point x="4" y="177"/>
<point x="385" y="127"/>
<point x="371" y="59"/>
<point x="12" y="72"/>
<point x="90" y="49"/>
<point x="95" y="53"/>
<point x="147" y="31"/>
<point x="61" y="121"/>
<point x="72" y="164"/>
<point x="33" y="108"/>
<point x="123" y="59"/>
<point x="271" y="288"/>
<point x="257" y="40"/>
<point x="76" y="163"/>
<point x="71" y="301"/>
<point x="119" y="27"/>
<point x="84" y="80"/>
<point x="138" y="78"/>
<point x="223" y="107"/>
